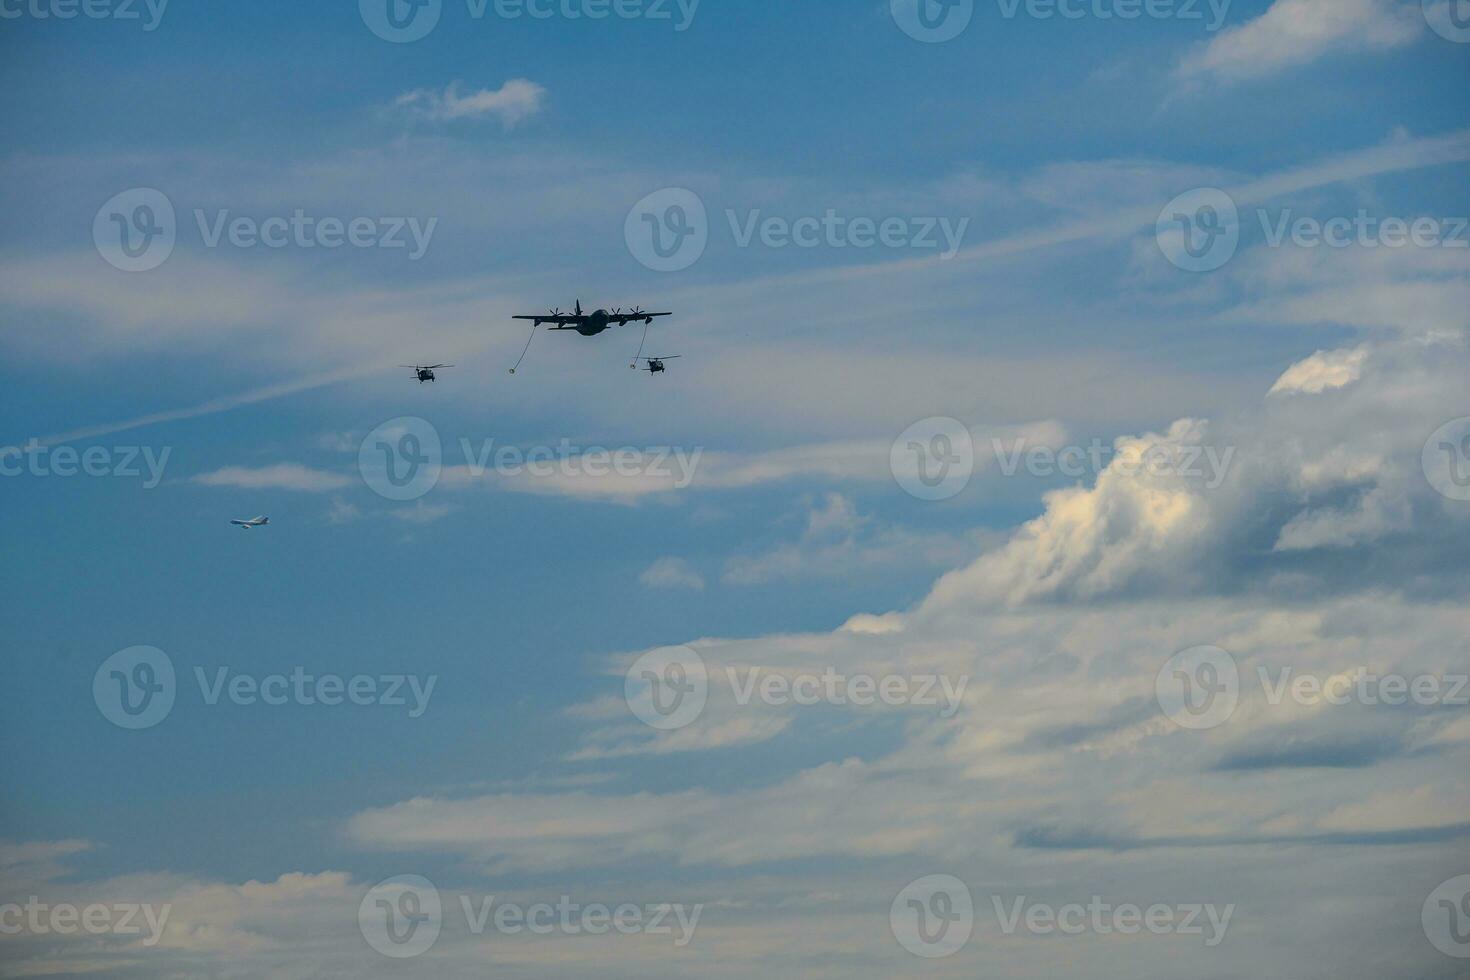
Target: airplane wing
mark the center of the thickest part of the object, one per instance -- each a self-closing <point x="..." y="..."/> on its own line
<point x="623" y="319"/>
<point x="561" y="319"/>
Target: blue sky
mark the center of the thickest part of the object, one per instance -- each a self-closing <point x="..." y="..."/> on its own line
<point x="1055" y="151"/>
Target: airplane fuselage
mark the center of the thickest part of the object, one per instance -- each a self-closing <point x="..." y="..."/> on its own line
<point x="597" y="322"/>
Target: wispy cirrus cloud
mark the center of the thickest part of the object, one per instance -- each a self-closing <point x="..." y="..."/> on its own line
<point x="1298" y="32"/>
<point x="281" y="476"/>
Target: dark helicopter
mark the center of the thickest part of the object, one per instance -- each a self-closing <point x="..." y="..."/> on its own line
<point x="656" y="364"/>
<point x="425" y="375"/>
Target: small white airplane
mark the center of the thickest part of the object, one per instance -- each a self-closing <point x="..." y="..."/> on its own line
<point x="253" y="522"/>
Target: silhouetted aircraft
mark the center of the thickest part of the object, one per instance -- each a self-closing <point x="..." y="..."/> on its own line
<point x="594" y="323"/>
<point x="656" y="364"/>
<point x="426" y="374"/>
<point x="588" y="324"/>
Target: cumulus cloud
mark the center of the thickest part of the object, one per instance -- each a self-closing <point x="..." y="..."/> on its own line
<point x="1063" y="634"/>
<point x="512" y="103"/>
<point x="1059" y="744"/>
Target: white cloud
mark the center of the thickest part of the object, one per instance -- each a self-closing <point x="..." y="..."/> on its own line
<point x="512" y="103"/>
<point x="1297" y="32"/>
<point x="1058" y="747"/>
<point x="1323" y="371"/>
<point x="281" y="476"/>
<point x="672" y="573"/>
<point x="1062" y="633"/>
<point x="839" y="542"/>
